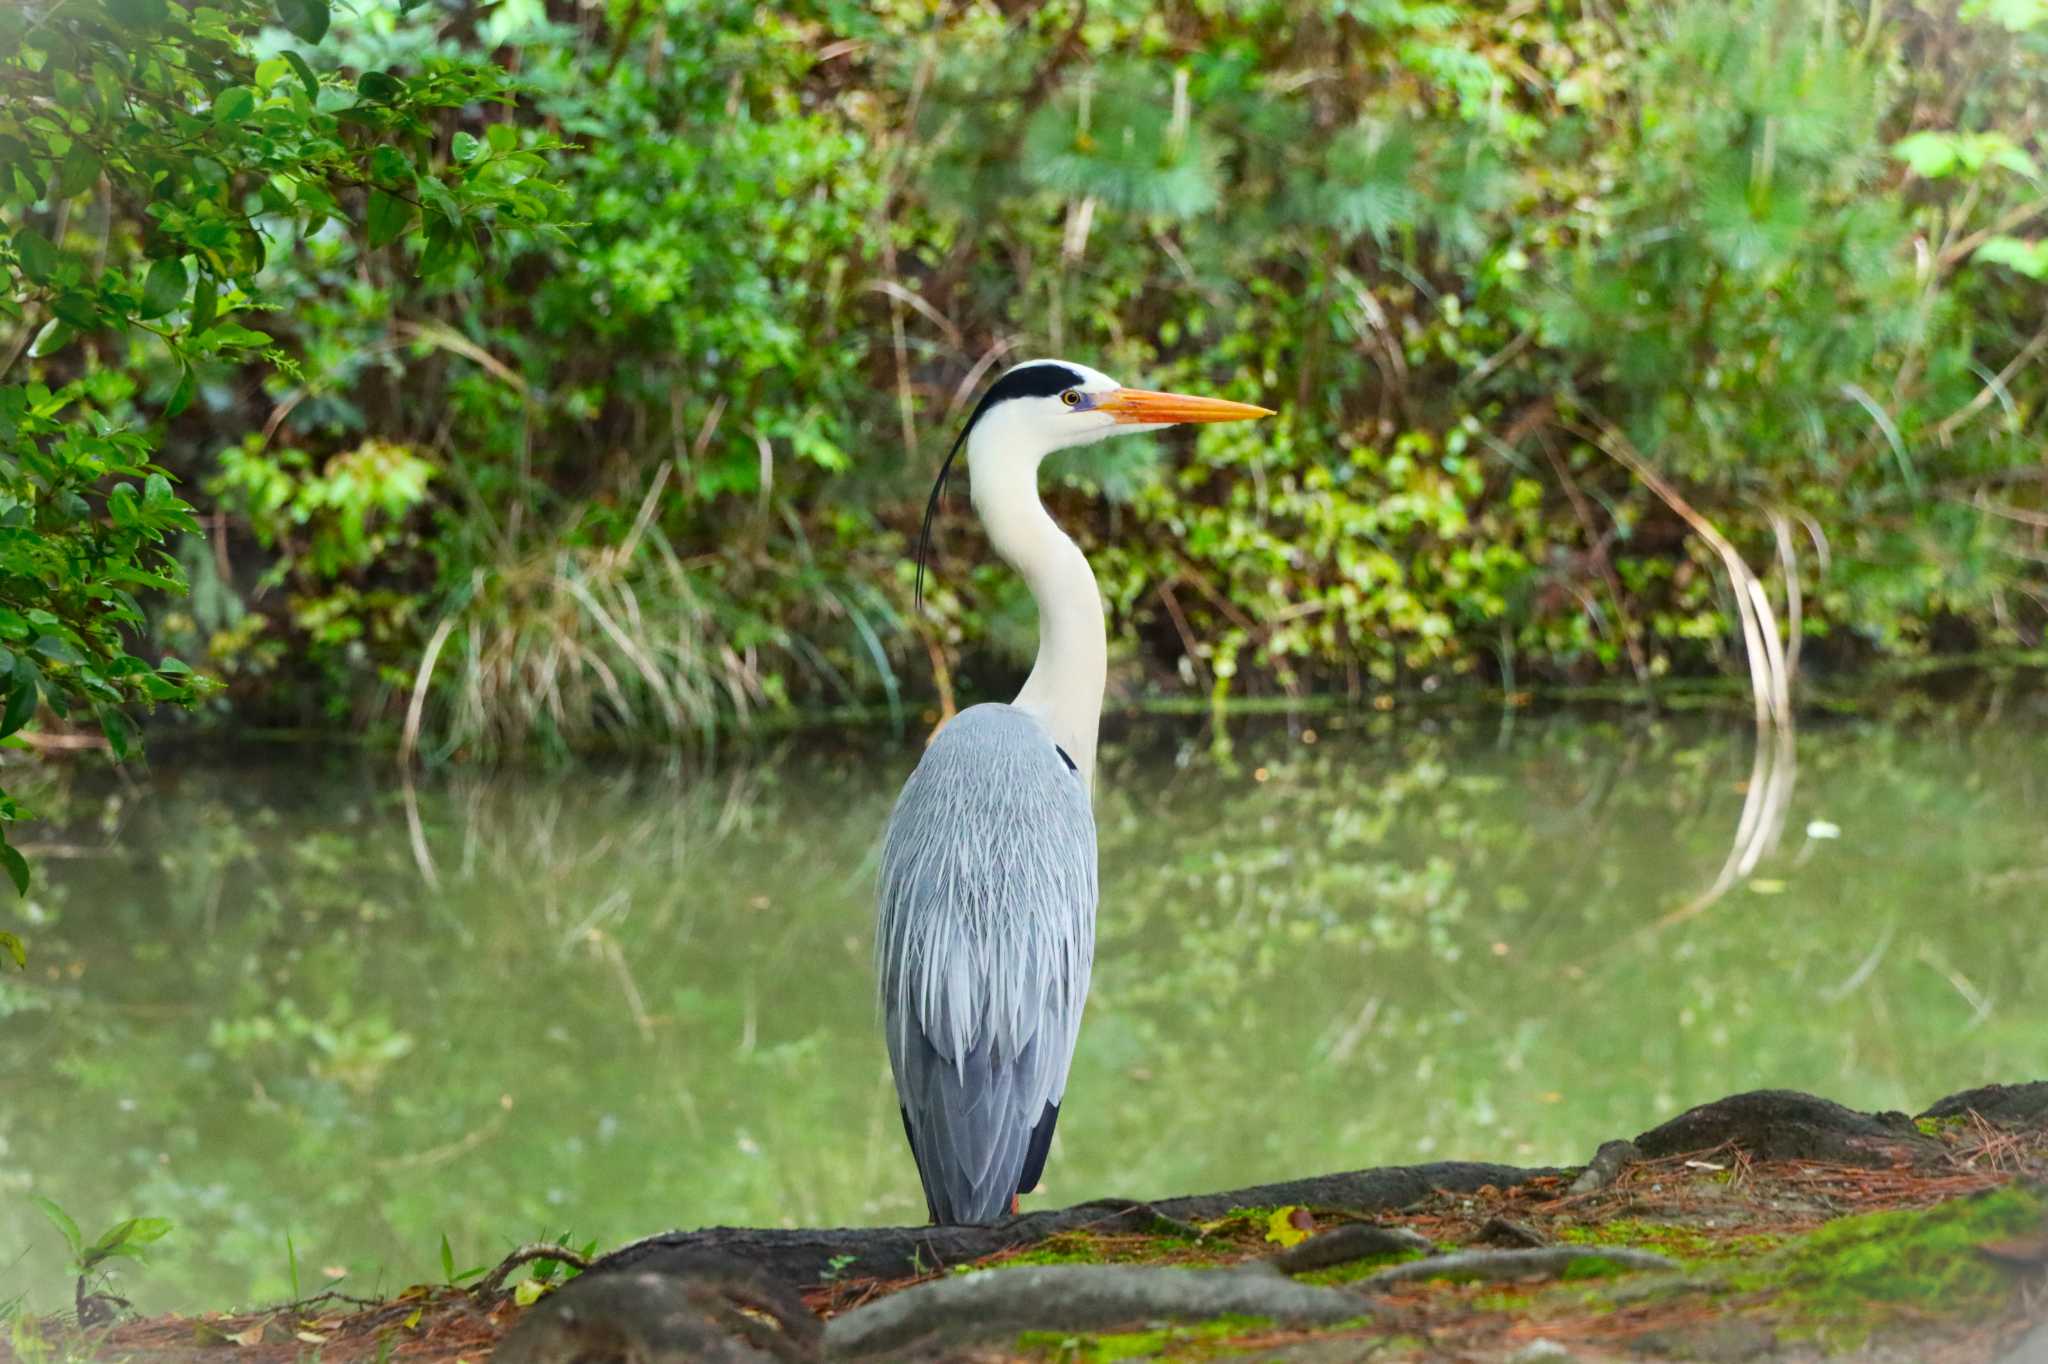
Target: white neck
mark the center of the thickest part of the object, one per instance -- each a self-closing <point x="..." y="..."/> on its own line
<point x="1064" y="691"/>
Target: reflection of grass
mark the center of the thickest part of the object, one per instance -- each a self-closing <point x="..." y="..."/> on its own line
<point x="1263" y="946"/>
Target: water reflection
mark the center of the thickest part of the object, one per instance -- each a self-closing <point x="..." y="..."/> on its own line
<point x="634" y="999"/>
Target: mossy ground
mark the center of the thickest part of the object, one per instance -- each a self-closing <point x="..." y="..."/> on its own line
<point x="1803" y="1260"/>
<point x="1204" y="1340"/>
<point x="1685" y="1243"/>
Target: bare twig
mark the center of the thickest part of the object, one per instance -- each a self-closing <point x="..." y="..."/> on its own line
<point x="494" y="1281"/>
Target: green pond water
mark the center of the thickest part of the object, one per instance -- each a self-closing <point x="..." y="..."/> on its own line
<point x="272" y="996"/>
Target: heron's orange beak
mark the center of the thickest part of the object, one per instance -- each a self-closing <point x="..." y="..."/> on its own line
<point x="1137" y="405"/>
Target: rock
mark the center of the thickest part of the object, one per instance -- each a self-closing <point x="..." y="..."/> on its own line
<point x="1541" y="1352"/>
<point x="2031" y="1349"/>
<point x="649" y="1318"/>
<point x="1726" y="1342"/>
<point x="1505" y="1231"/>
<point x="1783" y="1124"/>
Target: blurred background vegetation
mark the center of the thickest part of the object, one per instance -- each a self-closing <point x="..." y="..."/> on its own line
<point x="569" y="374"/>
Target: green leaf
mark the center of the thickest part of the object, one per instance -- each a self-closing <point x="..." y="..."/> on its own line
<point x="232" y="105"/>
<point x="389" y="217"/>
<point x="54" y="336"/>
<point x="139" y="13"/>
<point x="78" y="172"/>
<point x="2027" y="258"/>
<point x="2014" y="16"/>
<point x="181" y="396"/>
<point x="11" y="945"/>
<point x="17" y="872"/>
<point x="305" y="74"/>
<point x="503" y="137"/>
<point x="58" y="1217"/>
<point x="164" y="287"/>
<point x="306" y="19"/>
<point x="381" y="86"/>
<point x="447" y="1258"/>
<point x="60" y="650"/>
<point x="22" y="696"/>
<point x="126" y="1239"/>
<point x="465" y="146"/>
<point x="392" y="166"/>
<point x="119" y="731"/>
<point x="205" y="302"/>
<point x="38" y="254"/>
<point x="1930" y="154"/>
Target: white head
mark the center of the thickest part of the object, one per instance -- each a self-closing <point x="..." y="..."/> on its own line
<point x="1045" y="405"/>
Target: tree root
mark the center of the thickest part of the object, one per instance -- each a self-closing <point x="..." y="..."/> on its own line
<point x="1341" y="1245"/>
<point x="807" y="1257"/>
<point x="1000" y="1303"/>
<point x="1606" y="1166"/>
<point x="1509" y="1264"/>
<point x="2007" y="1105"/>
<point x="1505" y="1231"/>
<point x="1782" y="1124"/>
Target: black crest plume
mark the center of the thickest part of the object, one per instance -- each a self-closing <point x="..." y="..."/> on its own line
<point x="1025" y="381"/>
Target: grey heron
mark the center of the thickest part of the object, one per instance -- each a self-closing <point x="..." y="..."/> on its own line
<point x="987" y="899"/>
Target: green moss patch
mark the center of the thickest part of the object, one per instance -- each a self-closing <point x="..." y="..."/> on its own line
<point x="1666" y="1238"/>
<point x="1927" y="1260"/>
<point x="1201" y="1340"/>
<point x="1353" y="1270"/>
<point x="1087" y="1248"/>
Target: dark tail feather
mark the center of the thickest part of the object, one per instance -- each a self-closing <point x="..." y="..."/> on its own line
<point x="931" y="1209"/>
<point x="1041" y="1144"/>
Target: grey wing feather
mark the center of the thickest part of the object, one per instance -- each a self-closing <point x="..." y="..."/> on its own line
<point x="986" y="937"/>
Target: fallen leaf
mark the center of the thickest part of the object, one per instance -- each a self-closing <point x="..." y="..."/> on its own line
<point x="528" y="1292"/>
<point x="1289" y="1226"/>
<point x="1703" y="1165"/>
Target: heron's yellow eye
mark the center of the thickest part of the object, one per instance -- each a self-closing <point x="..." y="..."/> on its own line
<point x="1072" y="397"/>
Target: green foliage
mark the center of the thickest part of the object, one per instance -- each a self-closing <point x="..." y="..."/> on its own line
<point x="654" y="476"/>
<point x="128" y="1239"/>
<point x="152" y="189"/>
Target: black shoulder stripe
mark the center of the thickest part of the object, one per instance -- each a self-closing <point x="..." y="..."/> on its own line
<point x="1072" y="766"/>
